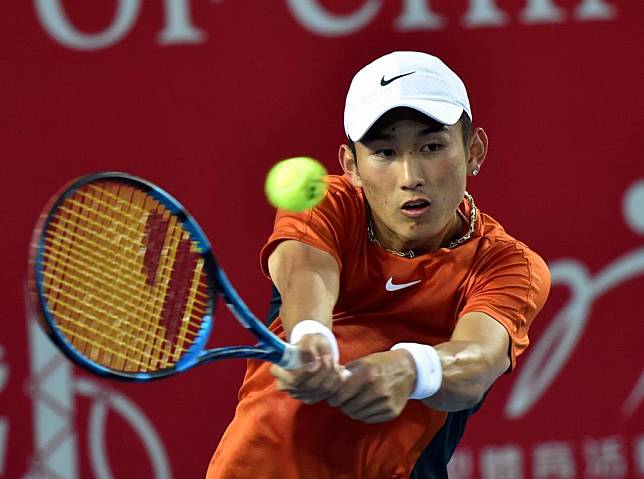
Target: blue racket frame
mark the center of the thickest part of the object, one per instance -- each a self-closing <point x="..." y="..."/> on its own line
<point x="269" y="348"/>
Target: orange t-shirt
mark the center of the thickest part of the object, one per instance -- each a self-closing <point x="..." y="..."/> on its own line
<point x="273" y="435"/>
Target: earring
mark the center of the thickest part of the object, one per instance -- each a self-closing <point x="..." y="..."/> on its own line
<point x="475" y="171"/>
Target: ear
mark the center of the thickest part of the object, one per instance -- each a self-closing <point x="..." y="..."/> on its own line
<point x="477" y="149"/>
<point x="349" y="164"/>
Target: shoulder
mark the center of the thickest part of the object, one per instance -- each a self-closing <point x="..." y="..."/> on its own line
<point x="342" y="206"/>
<point x="340" y="191"/>
<point x="498" y="248"/>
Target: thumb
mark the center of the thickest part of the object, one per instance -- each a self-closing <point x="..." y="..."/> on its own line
<point x="308" y="355"/>
<point x="322" y="349"/>
<point x="354" y="366"/>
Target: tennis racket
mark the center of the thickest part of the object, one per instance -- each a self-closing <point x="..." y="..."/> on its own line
<point x="125" y="283"/>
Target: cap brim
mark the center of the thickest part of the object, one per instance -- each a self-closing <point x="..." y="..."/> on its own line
<point x="442" y="112"/>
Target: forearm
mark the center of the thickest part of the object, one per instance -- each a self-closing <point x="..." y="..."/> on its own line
<point x="308" y="281"/>
<point x="305" y="295"/>
<point x="469" y="370"/>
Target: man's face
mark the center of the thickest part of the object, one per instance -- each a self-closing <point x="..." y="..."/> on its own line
<point x="413" y="172"/>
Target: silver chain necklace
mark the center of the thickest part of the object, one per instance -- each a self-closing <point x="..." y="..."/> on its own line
<point x="453" y="244"/>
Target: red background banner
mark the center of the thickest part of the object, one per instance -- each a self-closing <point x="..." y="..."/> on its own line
<point x="202" y="97"/>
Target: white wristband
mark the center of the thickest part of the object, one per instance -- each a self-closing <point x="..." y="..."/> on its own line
<point x="429" y="372"/>
<point x="309" y="326"/>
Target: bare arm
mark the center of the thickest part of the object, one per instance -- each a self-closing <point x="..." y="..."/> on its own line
<point x="308" y="280"/>
<point x="474" y="357"/>
<point x="381" y="383"/>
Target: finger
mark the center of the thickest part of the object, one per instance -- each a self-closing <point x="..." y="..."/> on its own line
<point x="353" y="384"/>
<point x="307" y="397"/>
<point x="289" y="380"/>
<point x="333" y="381"/>
<point x="284" y="386"/>
<point x="344" y="394"/>
<point x="314" y="390"/>
<point x="309" y="357"/>
<point x="309" y="400"/>
<point x="294" y="378"/>
<point x="326" y="386"/>
<point x="361" y="407"/>
<point x="307" y="383"/>
<point x="380" y="417"/>
<point x="326" y="355"/>
<point x="321" y="381"/>
<point x="285" y="378"/>
<point x="319" y="348"/>
<point x="280" y="373"/>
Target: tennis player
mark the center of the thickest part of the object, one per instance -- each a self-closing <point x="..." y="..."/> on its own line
<point x="406" y="301"/>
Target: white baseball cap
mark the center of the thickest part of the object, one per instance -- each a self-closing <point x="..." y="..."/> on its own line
<point x="404" y="79"/>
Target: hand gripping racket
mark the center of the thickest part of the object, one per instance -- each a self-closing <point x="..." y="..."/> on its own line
<point x="126" y="285"/>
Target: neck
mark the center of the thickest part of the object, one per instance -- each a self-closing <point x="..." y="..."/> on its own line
<point x="450" y="236"/>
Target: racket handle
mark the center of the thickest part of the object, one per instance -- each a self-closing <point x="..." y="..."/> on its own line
<point x="291" y="360"/>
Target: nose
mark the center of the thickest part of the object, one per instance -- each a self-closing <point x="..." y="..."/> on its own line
<point x="412" y="173"/>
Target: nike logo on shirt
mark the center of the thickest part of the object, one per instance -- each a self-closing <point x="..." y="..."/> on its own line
<point x="390" y="286"/>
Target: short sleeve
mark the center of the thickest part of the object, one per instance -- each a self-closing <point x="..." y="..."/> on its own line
<point x="511" y="284"/>
<point x="327" y="226"/>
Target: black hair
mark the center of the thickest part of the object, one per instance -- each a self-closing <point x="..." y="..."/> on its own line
<point x="466" y="130"/>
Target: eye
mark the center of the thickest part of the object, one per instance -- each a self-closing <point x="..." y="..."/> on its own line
<point x="385" y="152"/>
<point x="433" y="147"/>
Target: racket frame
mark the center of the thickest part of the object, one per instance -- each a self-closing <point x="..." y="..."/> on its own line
<point x="270" y="347"/>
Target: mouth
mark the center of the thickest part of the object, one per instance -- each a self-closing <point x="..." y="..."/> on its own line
<point x="415" y="207"/>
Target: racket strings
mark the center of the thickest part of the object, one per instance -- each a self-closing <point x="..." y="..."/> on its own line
<point x="100" y="256"/>
<point x="110" y="312"/>
<point x="76" y="334"/>
<point x="108" y="304"/>
<point x="95" y="250"/>
<point x="106" y="250"/>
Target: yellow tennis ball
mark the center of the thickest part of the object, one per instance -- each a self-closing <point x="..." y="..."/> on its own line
<point x="296" y="184"/>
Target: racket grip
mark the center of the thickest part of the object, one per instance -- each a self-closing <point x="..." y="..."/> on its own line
<point x="290" y="358"/>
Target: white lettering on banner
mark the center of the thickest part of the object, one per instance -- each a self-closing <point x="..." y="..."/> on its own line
<point x="505" y="462"/>
<point x="461" y="465"/>
<point x="53" y="18"/>
<point x="638" y="453"/>
<point x="53" y="388"/>
<point x="4" y="439"/>
<point x="54" y="437"/>
<point x="605" y="458"/>
<point x="484" y="13"/>
<point x="595" y="10"/>
<point x="316" y="19"/>
<point x="555" y="346"/>
<point x="136" y="419"/>
<point x="542" y="11"/>
<point x="417" y="15"/>
<point x="4" y="370"/>
<point x="179" y="27"/>
<point x="4" y="422"/>
<point x="553" y="460"/>
<point x="635" y="398"/>
<point x="634" y="206"/>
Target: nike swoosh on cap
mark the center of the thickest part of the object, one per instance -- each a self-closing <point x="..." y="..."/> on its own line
<point x="384" y="82"/>
<point x="390" y="286"/>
